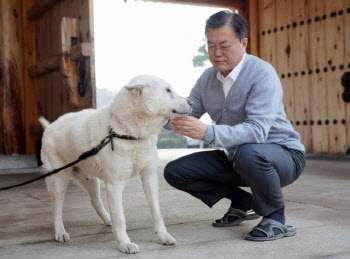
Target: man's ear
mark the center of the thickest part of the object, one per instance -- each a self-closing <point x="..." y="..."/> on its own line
<point x="134" y="88"/>
<point x="245" y="43"/>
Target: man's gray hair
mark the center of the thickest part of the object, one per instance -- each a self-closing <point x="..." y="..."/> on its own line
<point x="230" y="18"/>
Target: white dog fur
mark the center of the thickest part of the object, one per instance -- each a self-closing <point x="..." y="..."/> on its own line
<point x="140" y="110"/>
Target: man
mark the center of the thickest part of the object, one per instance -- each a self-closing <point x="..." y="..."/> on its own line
<point x="243" y="96"/>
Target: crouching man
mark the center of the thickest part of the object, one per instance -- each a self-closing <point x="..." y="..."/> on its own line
<point x="260" y="149"/>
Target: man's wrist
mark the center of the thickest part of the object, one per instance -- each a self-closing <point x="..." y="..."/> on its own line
<point x="209" y="135"/>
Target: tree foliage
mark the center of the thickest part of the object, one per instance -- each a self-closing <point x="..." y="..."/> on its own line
<point x="199" y="60"/>
<point x="169" y="139"/>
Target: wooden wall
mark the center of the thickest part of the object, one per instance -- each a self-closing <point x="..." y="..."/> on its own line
<point x="46" y="66"/>
<point x="12" y="134"/>
<point x="308" y="42"/>
<point x="57" y="91"/>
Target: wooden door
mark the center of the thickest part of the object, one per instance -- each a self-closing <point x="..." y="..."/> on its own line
<point x="11" y="79"/>
<point x="46" y="66"/>
<point x="64" y="67"/>
<point x="64" y="58"/>
<point x="307" y="41"/>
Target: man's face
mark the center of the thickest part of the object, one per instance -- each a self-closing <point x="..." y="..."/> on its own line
<point x="224" y="48"/>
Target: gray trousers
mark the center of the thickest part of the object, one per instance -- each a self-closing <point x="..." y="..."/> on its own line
<point x="265" y="168"/>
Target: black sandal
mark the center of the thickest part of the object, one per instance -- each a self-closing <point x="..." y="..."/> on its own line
<point x="266" y="226"/>
<point x="239" y="214"/>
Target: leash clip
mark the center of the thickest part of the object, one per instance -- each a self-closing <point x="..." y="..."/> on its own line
<point x="110" y="134"/>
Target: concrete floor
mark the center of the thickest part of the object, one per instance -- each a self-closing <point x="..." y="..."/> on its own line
<point x="318" y="204"/>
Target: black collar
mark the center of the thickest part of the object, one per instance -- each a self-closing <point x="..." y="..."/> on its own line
<point x="112" y="134"/>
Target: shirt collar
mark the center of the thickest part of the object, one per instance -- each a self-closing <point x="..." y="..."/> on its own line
<point x="233" y="74"/>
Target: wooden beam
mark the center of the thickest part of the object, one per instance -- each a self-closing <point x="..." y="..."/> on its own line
<point x="347" y="63"/>
<point x="284" y="62"/>
<point x="91" y="62"/>
<point x="244" y="12"/>
<point x="39" y="8"/>
<point x="300" y="52"/>
<point x="11" y="78"/>
<point x="81" y="51"/>
<point x="317" y="81"/>
<point x="267" y="21"/>
<point x="218" y="3"/>
<point x="334" y="29"/>
<point x="69" y="68"/>
<point x="44" y="67"/>
<point x="29" y="55"/>
<point x="253" y="27"/>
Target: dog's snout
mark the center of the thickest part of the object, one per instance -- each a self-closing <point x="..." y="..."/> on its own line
<point x="189" y="101"/>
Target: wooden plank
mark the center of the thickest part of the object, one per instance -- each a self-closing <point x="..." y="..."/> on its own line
<point x="44" y="67"/>
<point x="44" y="46"/>
<point x="62" y="104"/>
<point x="253" y="27"/>
<point x="53" y="96"/>
<point x="318" y="81"/>
<point x="91" y="62"/>
<point x="2" y="95"/>
<point x="244" y="12"/>
<point x="216" y="3"/>
<point x="12" y="86"/>
<point x="29" y="82"/>
<point x="86" y="34"/>
<point x="39" y="8"/>
<point x="347" y="66"/>
<point x="300" y="52"/>
<point x="284" y="56"/>
<point x="266" y="27"/>
<point x="69" y="67"/>
<point x="335" y="56"/>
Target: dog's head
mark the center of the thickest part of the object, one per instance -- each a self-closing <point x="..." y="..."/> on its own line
<point x="155" y="97"/>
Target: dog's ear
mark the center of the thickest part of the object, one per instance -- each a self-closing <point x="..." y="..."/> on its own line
<point x="135" y="88"/>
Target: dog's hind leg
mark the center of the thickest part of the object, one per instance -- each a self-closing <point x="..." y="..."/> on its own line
<point x="57" y="185"/>
<point x="92" y="186"/>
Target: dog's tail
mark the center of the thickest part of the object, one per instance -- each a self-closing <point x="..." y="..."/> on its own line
<point x="44" y="122"/>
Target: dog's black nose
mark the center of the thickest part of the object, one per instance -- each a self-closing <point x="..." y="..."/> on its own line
<point x="173" y="111"/>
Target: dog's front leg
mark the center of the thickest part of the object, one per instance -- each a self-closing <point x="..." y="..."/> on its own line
<point x="114" y="196"/>
<point x="150" y="186"/>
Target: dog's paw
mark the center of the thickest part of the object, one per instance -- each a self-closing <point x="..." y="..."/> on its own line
<point x="166" y="239"/>
<point x="129" y="248"/>
<point x="107" y="221"/>
<point x="62" y="237"/>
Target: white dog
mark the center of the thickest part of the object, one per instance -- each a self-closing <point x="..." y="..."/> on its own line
<point x="139" y="110"/>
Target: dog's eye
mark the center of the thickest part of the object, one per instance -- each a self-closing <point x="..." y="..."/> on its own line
<point x="168" y="90"/>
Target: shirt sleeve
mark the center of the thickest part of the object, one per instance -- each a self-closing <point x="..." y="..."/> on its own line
<point x="261" y="110"/>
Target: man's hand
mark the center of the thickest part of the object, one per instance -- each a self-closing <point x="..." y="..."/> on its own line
<point x="189" y="126"/>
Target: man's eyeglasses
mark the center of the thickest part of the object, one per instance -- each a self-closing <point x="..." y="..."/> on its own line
<point x="222" y="48"/>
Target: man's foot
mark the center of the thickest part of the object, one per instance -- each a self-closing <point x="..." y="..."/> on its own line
<point x="268" y="227"/>
<point x="240" y="209"/>
<point x="234" y="217"/>
<point x="277" y="216"/>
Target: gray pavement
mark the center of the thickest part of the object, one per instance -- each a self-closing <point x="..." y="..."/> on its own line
<point x="318" y="204"/>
